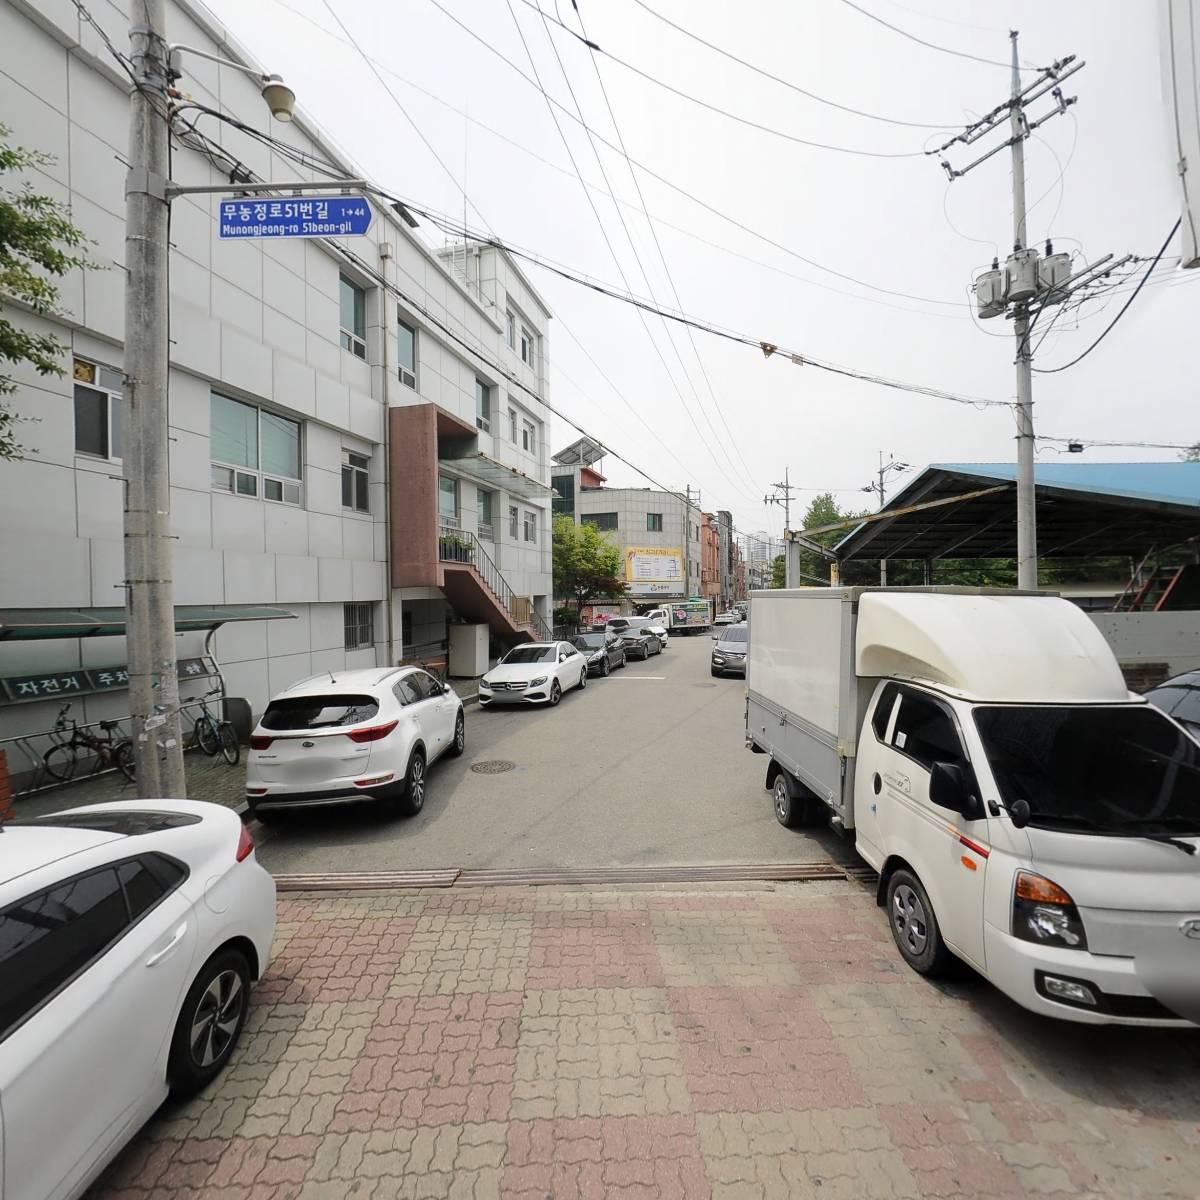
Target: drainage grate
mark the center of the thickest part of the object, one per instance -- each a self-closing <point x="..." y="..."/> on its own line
<point x="492" y="766"/>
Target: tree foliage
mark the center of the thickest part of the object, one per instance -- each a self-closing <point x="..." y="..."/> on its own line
<point x="1192" y="453"/>
<point x="38" y="244"/>
<point x="587" y="564"/>
<point x="779" y="571"/>
<point x="814" y="567"/>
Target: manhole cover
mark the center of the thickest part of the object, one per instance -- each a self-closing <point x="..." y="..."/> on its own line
<point x="492" y="766"/>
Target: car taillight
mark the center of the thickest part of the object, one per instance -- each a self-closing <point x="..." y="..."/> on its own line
<point x="245" y="844"/>
<point x="372" y="733"/>
<point x="259" y="742"/>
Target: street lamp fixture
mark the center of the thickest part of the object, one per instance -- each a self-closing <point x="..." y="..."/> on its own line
<point x="280" y="98"/>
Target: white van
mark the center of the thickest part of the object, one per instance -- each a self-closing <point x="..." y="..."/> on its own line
<point x="1024" y="811"/>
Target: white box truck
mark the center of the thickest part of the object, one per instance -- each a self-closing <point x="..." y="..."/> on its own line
<point x="1024" y="811"/>
<point x="687" y="617"/>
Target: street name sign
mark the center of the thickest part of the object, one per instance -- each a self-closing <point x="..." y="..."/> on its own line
<point x="301" y="216"/>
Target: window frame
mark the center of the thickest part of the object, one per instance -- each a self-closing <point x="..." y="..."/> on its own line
<point x="528" y="349"/>
<point x="353" y="624"/>
<point x="256" y="474"/>
<point x="528" y="436"/>
<point x="407" y="374"/>
<point x="358" y="470"/>
<point x="654" y="522"/>
<point x="937" y="702"/>
<point x="351" y="340"/>
<point x="453" y="521"/>
<point x="130" y="921"/>
<point x="529" y="525"/>
<point x="485" y="498"/>
<point x="514" y="522"/>
<point x="512" y="425"/>
<point x="113" y="419"/>
<point x="594" y="520"/>
<point x="510" y="334"/>
<point x="483" y="405"/>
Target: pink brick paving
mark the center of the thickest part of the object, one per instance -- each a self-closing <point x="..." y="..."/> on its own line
<point x="723" y="1041"/>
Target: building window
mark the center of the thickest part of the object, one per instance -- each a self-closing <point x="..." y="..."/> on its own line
<point x="512" y="522"/>
<point x="353" y="301"/>
<point x="512" y="425"/>
<point x="510" y="330"/>
<point x="527" y="348"/>
<point x="356" y="492"/>
<point x="564" y="502"/>
<point x="531" y="527"/>
<point x="600" y="520"/>
<point x="406" y="340"/>
<point x="483" y="515"/>
<point x="529" y="437"/>
<point x="654" y="522"/>
<point x="254" y="452"/>
<point x="98" y="405"/>
<point x="483" y="406"/>
<point x="448" y="500"/>
<point x="359" y="622"/>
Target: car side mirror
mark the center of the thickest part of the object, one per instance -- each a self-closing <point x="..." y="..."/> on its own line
<point x="447" y="690"/>
<point x="949" y="787"/>
<point x="712" y="637"/>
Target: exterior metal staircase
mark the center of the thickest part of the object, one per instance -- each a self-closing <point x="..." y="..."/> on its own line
<point x="1163" y="589"/>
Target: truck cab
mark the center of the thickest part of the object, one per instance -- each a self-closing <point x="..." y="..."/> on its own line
<point x="1024" y="811"/>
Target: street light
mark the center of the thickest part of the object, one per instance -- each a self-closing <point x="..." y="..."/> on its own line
<point x="280" y="98"/>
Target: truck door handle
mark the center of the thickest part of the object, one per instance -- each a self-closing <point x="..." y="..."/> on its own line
<point x="159" y="955"/>
<point x="877" y="783"/>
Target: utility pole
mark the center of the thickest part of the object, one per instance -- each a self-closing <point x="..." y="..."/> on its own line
<point x="878" y="488"/>
<point x="150" y="609"/>
<point x="782" y="496"/>
<point x="1025" y="278"/>
<point x="687" y="543"/>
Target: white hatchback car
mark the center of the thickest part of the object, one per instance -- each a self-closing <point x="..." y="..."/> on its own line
<point x="535" y="673"/>
<point x="130" y="933"/>
<point x="348" y="736"/>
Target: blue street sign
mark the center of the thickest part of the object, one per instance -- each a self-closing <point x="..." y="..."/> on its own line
<point x="301" y="216"/>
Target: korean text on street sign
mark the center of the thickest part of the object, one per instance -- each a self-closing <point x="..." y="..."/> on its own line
<point x="54" y="684"/>
<point x="324" y="216"/>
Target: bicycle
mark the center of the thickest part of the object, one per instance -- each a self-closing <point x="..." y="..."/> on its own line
<point x="213" y="734"/>
<point x="62" y="759"/>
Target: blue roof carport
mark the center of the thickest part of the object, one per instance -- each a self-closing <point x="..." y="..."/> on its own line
<point x="34" y="624"/>
<point x="1084" y="510"/>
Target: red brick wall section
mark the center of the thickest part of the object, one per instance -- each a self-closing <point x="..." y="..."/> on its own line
<point x="6" y="801"/>
<point x="1141" y="677"/>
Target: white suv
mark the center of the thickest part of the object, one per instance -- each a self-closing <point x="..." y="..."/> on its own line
<point x="347" y="736"/>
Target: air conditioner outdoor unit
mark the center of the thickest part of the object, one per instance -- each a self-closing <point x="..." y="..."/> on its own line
<point x="408" y="378"/>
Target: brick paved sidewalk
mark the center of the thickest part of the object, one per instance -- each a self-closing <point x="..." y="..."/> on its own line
<point x="656" y="1042"/>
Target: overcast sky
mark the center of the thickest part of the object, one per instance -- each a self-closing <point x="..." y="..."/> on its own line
<point x="895" y="223"/>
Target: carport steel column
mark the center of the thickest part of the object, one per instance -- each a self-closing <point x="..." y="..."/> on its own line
<point x="150" y="621"/>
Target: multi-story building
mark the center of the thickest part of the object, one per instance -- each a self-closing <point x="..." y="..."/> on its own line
<point x="658" y="532"/>
<point x="710" y="559"/>
<point x="357" y="432"/>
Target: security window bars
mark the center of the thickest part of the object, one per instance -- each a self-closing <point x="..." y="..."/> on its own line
<point x="254" y="452"/>
<point x="353" y="301"/>
<point x="406" y="338"/>
<point x="359" y="621"/>
<point x="356" y="492"/>
<point x="98" y="405"/>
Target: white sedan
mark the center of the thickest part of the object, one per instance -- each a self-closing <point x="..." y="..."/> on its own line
<point x="130" y="934"/>
<point x="535" y="673"/>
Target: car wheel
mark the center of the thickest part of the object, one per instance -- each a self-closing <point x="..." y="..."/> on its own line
<point x="583" y="679"/>
<point x="555" y="693"/>
<point x="624" y="660"/>
<point x="605" y="666"/>
<point x="410" y="798"/>
<point x="914" y="925"/>
<point x="788" y="803"/>
<point x="210" y="1022"/>
<point x="459" y="742"/>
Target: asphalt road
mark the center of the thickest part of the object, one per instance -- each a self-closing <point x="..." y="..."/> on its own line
<point x="646" y="767"/>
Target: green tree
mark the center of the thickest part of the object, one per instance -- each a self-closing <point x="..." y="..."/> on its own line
<point x="587" y="564"/>
<point x="1192" y="454"/>
<point x="814" y="567"/>
<point x="38" y="244"/>
<point x="779" y="571"/>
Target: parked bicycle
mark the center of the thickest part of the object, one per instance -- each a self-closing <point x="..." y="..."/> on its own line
<point x="62" y="759"/>
<point x="212" y="734"/>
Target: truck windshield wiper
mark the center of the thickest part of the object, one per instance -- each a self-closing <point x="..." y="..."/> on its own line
<point x="1082" y="822"/>
<point x="1158" y="836"/>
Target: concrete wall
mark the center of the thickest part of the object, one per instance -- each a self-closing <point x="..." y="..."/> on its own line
<point x="1172" y="638"/>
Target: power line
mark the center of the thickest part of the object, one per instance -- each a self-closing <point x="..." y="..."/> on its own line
<point x="716" y="108"/>
<point x="787" y="83"/>
<point x="1132" y="445"/>
<point x="912" y="37"/>
<point x="1124" y="307"/>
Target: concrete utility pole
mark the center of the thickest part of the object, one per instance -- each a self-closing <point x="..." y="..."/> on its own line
<point x="878" y="488"/>
<point x="150" y="609"/>
<point x="783" y="497"/>
<point x="1026" y="284"/>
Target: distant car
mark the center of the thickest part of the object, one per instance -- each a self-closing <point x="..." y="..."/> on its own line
<point x="616" y="624"/>
<point x="604" y="652"/>
<point x="1180" y="698"/>
<point x="729" y="650"/>
<point x="656" y="627"/>
<point x="640" y="643"/>
<point x="726" y="618"/>
<point x="349" y="736"/>
<point x="130" y="934"/>
<point x="535" y="673"/>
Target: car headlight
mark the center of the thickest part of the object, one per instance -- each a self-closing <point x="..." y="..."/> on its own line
<point x="718" y="657"/>
<point x="597" y="656"/>
<point x="539" y="679"/>
<point x="484" y="685"/>
<point x="1045" y="914"/>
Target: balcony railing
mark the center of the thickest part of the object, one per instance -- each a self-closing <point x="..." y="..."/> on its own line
<point x="462" y="546"/>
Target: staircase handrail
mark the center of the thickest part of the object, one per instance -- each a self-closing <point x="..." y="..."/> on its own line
<point x="477" y="557"/>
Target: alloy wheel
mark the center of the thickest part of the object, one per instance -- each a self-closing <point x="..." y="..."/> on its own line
<point x="460" y="734"/>
<point x="416" y="783"/>
<point x="215" y="1022"/>
<point x="782" y="799"/>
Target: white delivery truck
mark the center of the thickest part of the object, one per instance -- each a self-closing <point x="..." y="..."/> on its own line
<point x="684" y="616"/>
<point x="1024" y="811"/>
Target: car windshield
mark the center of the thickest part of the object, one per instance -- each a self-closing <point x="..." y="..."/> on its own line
<point x="531" y="654"/>
<point x="318" y="712"/>
<point x="589" y="641"/>
<point x="1083" y="767"/>
<point x="735" y="634"/>
<point x="633" y="634"/>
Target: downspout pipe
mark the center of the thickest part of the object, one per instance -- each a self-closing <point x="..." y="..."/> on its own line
<point x="385" y="255"/>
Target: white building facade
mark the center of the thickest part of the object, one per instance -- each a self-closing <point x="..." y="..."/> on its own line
<point x="295" y="366"/>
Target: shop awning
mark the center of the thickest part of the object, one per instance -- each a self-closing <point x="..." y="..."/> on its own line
<point x="487" y="470"/>
<point x="33" y="624"/>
